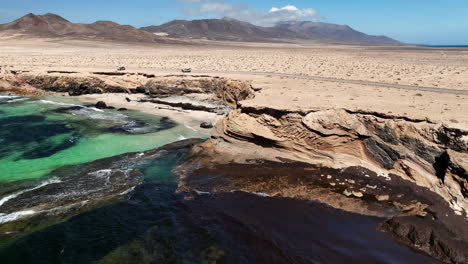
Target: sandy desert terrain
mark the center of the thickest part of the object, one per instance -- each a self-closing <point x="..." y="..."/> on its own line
<point x="444" y="69"/>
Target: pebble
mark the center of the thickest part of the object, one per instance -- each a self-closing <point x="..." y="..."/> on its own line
<point x="358" y="194"/>
<point x="382" y="197"/>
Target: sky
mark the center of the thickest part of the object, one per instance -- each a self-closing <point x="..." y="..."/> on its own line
<point x="434" y="22"/>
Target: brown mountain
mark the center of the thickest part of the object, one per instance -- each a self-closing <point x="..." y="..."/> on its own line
<point x="333" y="33"/>
<point x="221" y="29"/>
<point x="235" y="30"/>
<point x="53" y="26"/>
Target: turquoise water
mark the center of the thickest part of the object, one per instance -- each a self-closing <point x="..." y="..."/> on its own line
<point x="39" y="135"/>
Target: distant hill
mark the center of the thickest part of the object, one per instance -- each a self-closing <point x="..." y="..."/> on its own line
<point x="333" y="32"/>
<point x="53" y="26"/>
<point x="228" y="29"/>
<point x="220" y="29"/>
<point x="234" y="30"/>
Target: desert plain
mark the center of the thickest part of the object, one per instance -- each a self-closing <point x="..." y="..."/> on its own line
<point x="391" y="80"/>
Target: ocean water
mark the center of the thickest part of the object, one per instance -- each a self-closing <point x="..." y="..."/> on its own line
<point x="39" y="135"/>
<point x="447" y="46"/>
<point x="82" y="185"/>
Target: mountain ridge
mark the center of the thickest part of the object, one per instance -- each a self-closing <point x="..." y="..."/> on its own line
<point x="54" y="26"/>
<point x="225" y="29"/>
<point x="230" y="29"/>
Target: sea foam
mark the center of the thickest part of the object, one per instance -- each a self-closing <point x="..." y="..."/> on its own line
<point x="14" y="195"/>
<point x="5" y="218"/>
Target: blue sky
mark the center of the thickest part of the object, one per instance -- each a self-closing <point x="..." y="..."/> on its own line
<point x="414" y="21"/>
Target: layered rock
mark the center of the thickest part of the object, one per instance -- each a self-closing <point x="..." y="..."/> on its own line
<point x="229" y="91"/>
<point x="203" y="93"/>
<point x="363" y="162"/>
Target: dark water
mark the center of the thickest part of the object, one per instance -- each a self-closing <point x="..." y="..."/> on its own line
<point x="130" y="212"/>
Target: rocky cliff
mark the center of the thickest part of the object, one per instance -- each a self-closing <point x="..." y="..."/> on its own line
<point x="413" y="173"/>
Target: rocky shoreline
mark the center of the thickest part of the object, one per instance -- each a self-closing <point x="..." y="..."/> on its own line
<point x="411" y="172"/>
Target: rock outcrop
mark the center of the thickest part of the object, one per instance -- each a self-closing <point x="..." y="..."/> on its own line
<point x="363" y="162"/>
<point x="196" y="92"/>
<point x="229" y="91"/>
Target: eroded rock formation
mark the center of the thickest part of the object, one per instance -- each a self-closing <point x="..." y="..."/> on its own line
<point x="220" y="91"/>
<point x="363" y="162"/>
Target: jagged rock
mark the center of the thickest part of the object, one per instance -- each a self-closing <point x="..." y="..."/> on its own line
<point x="429" y="236"/>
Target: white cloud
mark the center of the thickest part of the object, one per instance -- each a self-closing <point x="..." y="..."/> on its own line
<point x="286" y="8"/>
<point x="242" y="12"/>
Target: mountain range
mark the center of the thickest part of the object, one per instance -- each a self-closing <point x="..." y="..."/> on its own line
<point x="229" y="29"/>
<point x="54" y="26"/>
<point x="225" y="29"/>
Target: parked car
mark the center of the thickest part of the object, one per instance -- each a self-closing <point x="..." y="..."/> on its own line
<point x="121" y="68"/>
<point x="186" y="70"/>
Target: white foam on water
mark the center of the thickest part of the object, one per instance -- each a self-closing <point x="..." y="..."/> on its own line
<point x="8" y="96"/>
<point x="98" y="114"/>
<point x="5" y="218"/>
<point x="261" y="194"/>
<point x="182" y="137"/>
<point x="189" y="127"/>
<point x="128" y="191"/>
<point x="96" y="109"/>
<point x="14" y="195"/>
<point x="17" y="100"/>
<point x="101" y="173"/>
<point x="201" y="193"/>
<point x="56" y="103"/>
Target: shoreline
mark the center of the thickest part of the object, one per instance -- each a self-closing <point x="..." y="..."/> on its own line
<point x="189" y="118"/>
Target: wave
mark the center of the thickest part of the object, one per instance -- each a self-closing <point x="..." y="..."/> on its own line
<point x="5" y="218"/>
<point x="127" y="191"/>
<point x="189" y="127"/>
<point x="98" y="114"/>
<point x="17" y="100"/>
<point x="14" y="195"/>
<point x="8" y="96"/>
<point x="101" y="173"/>
<point x="56" y="103"/>
<point x="96" y="109"/>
